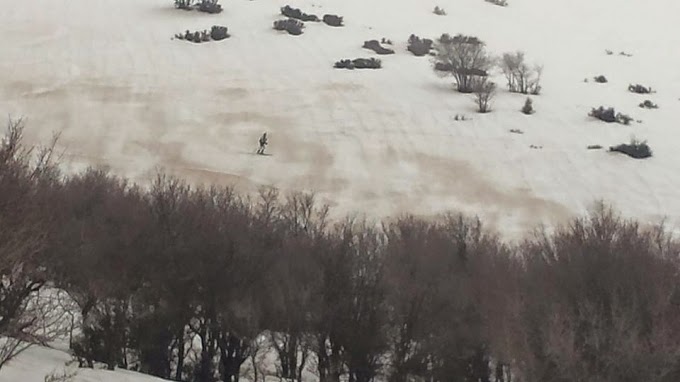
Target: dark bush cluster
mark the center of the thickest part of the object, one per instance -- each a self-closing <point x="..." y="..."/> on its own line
<point x="359" y="63"/>
<point x="333" y="20"/>
<point x="375" y="46"/>
<point x="600" y="79"/>
<point x="639" y="89"/>
<point x="647" y="104"/>
<point x="439" y="11"/>
<point x="501" y="3"/>
<point x="216" y="33"/>
<point x="184" y="283"/>
<point x="197" y="36"/>
<point x="292" y="26"/>
<point x="528" y="107"/>
<point x="610" y="115"/>
<point x="295" y="13"/>
<point x="635" y="149"/>
<point x="187" y="5"/>
<point x="208" y="6"/>
<point x="419" y="47"/>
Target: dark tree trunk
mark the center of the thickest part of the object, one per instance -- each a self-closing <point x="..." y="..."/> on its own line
<point x="233" y="352"/>
<point x="180" y="354"/>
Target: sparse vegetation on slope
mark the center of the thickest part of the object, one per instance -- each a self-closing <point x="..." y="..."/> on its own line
<point x="600" y="79"/>
<point x="292" y="26"/>
<point x="216" y="33"/>
<point x="207" y="6"/>
<point x="501" y="3"/>
<point x="295" y="13"/>
<point x="359" y="63"/>
<point x="375" y="46"/>
<point x="439" y="11"/>
<point x="639" y="89"/>
<point x="333" y="20"/>
<point x="419" y="47"/>
<point x="635" y="149"/>
<point x="647" y="104"/>
<point x="610" y="115"/>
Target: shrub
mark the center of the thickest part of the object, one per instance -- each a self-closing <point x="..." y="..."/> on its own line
<point x="385" y="41"/>
<point x="218" y="33"/>
<point x="292" y="26"/>
<point x="375" y="46"/>
<point x="600" y="79"/>
<point x="295" y="13"/>
<point x="610" y="115"/>
<point x="210" y="6"/>
<point x="466" y="57"/>
<point x="333" y="20"/>
<point x="484" y="91"/>
<point x="184" y="4"/>
<point x="607" y="115"/>
<point x="359" y="63"/>
<point x="516" y="131"/>
<point x="594" y="147"/>
<point x="649" y="105"/>
<point x="528" y="107"/>
<point x="639" y="89"/>
<point x="439" y="11"/>
<point x="419" y="47"/>
<point x="623" y="118"/>
<point x="609" y="52"/>
<point x="635" y="149"/>
<point x="502" y="3"/>
<point x="521" y="77"/>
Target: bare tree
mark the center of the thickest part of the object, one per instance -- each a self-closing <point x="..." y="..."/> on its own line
<point x="521" y="77"/>
<point x="600" y="303"/>
<point x="26" y="178"/>
<point x="484" y="91"/>
<point x="465" y="57"/>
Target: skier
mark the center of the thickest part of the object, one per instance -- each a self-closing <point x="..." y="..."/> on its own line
<point x="263" y="144"/>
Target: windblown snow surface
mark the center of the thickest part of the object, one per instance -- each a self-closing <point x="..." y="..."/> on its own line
<point x="125" y="95"/>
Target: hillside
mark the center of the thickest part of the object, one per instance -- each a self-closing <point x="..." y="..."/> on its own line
<point x="37" y="363"/>
<point x="125" y="95"/>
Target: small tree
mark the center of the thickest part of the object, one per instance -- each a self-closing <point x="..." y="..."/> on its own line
<point x="520" y="76"/>
<point x="467" y="58"/>
<point x="484" y="91"/>
<point x="528" y="107"/>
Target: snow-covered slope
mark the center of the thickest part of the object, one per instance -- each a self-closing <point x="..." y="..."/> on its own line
<point x="38" y="362"/>
<point x="124" y="94"/>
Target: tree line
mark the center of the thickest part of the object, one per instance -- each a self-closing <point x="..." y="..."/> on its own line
<point x="191" y="284"/>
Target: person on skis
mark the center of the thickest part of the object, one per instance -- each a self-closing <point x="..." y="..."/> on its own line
<point x="263" y="144"/>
